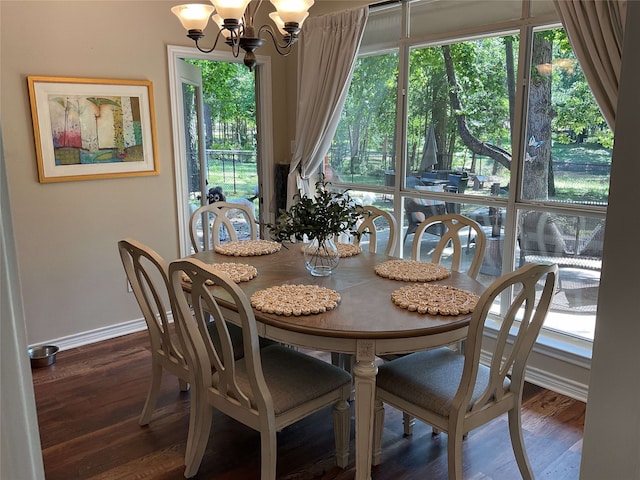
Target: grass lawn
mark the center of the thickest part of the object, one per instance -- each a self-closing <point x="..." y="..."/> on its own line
<point x="240" y="179"/>
<point x="582" y="153"/>
<point x="237" y="180"/>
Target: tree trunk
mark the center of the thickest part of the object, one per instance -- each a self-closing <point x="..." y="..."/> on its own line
<point x="439" y="114"/>
<point x="208" y="125"/>
<point x="354" y="140"/>
<point x="412" y="158"/>
<point x="385" y="146"/>
<point x="538" y="148"/>
<point x="474" y="144"/>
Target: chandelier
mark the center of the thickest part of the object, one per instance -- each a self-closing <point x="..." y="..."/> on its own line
<point x="235" y="18"/>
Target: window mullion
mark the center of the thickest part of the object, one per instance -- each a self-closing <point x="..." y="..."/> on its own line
<point x="401" y="121"/>
<point x="518" y="137"/>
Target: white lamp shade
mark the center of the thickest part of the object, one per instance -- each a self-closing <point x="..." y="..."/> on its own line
<point x="292" y="10"/>
<point x="304" y="17"/>
<point x="194" y="16"/>
<point x="231" y="9"/>
<point x="280" y="24"/>
<point x="278" y="21"/>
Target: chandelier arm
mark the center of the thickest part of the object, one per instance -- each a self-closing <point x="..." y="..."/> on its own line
<point x="203" y="50"/>
<point x="283" y="50"/>
<point x="250" y="13"/>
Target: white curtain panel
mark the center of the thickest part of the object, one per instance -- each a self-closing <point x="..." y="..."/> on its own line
<point x="328" y="48"/>
<point x="595" y="29"/>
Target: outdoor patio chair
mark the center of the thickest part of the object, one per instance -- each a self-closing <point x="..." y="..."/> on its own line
<point x="417" y="210"/>
<point x="594" y="245"/>
<point x="540" y="239"/>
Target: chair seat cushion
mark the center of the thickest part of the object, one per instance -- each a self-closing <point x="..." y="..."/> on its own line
<point x="429" y="379"/>
<point x="293" y="378"/>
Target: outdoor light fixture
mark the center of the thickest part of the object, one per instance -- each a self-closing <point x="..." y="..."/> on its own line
<point x="235" y="22"/>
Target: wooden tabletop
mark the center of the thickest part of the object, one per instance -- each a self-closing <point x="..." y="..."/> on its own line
<point x="365" y="310"/>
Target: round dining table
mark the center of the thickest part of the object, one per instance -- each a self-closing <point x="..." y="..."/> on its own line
<point x="365" y="324"/>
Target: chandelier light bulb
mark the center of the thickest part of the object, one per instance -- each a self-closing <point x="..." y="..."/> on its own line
<point x="194" y="16"/>
<point x="231" y="9"/>
<point x="292" y="11"/>
<point x="278" y="21"/>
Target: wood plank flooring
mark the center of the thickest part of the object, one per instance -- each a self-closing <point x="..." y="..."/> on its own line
<point x="89" y="401"/>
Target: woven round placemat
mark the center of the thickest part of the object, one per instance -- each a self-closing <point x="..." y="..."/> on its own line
<point x="239" y="272"/>
<point x="295" y="300"/>
<point x="412" y="271"/>
<point x="435" y="299"/>
<point x="344" y="249"/>
<point x="248" y="248"/>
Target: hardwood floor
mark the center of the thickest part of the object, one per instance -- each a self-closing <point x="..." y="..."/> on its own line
<point x="89" y="401"/>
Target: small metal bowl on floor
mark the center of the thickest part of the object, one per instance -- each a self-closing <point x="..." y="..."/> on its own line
<point x="43" y="356"/>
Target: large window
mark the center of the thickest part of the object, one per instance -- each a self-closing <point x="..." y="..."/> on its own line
<point x="499" y="125"/>
<point x="363" y="150"/>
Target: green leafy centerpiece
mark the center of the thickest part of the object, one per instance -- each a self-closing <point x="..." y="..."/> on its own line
<point x="318" y="220"/>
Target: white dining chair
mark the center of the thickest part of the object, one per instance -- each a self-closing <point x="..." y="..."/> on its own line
<point x="457" y="393"/>
<point x="452" y="227"/>
<point x="374" y="221"/>
<point x="219" y="222"/>
<point x="267" y="389"/>
<point x="147" y="273"/>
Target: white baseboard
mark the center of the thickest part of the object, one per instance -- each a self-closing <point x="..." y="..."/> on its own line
<point x="557" y="362"/>
<point x="555" y="383"/>
<point x="97" y="335"/>
<point x="550" y="380"/>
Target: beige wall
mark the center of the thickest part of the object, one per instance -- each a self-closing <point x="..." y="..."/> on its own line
<point x="66" y="233"/>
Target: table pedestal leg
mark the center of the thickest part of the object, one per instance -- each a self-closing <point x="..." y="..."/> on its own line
<point x="364" y="372"/>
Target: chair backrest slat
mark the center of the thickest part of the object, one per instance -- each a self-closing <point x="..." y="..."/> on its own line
<point x="147" y="273"/>
<point x="197" y="321"/>
<point x="452" y="226"/>
<point x="371" y="215"/>
<point x="214" y="219"/>
<point x="527" y="308"/>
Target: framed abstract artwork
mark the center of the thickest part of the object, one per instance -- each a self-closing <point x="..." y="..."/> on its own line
<point x="87" y="128"/>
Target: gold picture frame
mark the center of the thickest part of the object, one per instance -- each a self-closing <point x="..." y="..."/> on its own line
<point x="88" y="128"/>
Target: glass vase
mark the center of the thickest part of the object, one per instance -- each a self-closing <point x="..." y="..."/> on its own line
<point x="321" y="256"/>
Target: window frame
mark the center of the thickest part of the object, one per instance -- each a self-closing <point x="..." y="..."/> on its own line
<point x="578" y="349"/>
